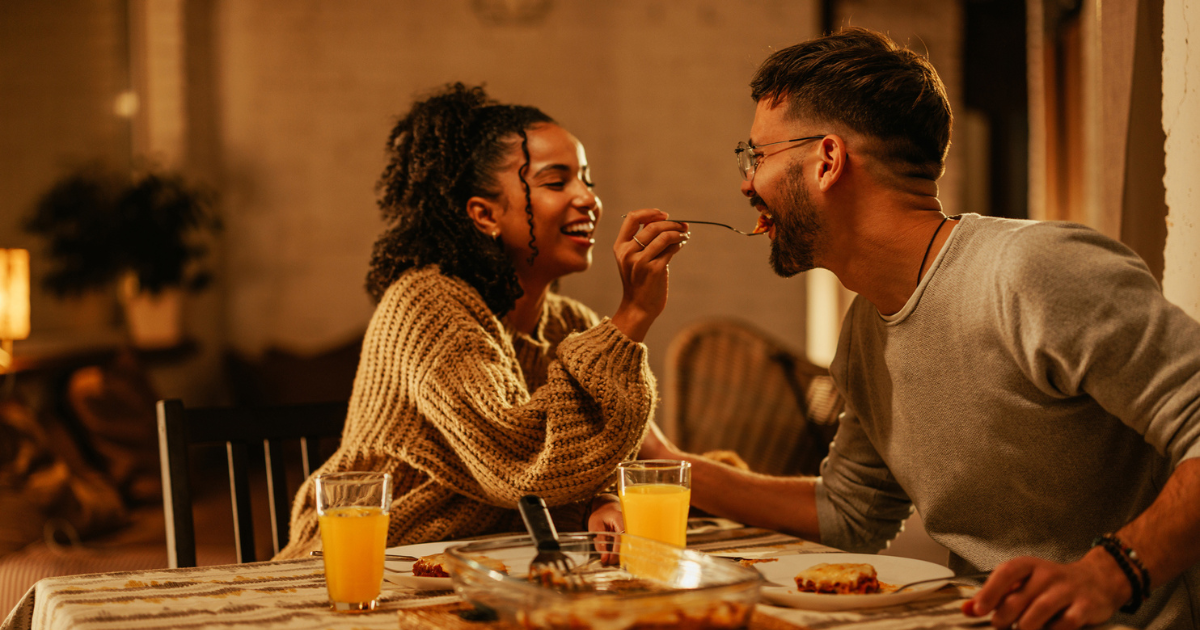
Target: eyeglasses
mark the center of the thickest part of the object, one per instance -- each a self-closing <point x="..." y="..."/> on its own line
<point x="748" y="160"/>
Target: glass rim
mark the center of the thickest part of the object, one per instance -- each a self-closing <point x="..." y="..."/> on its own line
<point x="654" y="464"/>
<point x="353" y="475"/>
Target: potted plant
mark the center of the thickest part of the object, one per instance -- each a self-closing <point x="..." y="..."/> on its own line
<point x="143" y="232"/>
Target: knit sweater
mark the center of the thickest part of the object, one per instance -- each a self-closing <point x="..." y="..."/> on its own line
<point x="469" y="416"/>
<point x="1036" y="391"/>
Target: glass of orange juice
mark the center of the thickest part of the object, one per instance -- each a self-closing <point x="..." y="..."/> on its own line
<point x="655" y="495"/>
<point x="353" y="511"/>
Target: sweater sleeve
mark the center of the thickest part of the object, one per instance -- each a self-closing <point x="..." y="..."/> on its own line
<point x="494" y="441"/>
<point x="1099" y="325"/>
<point x="860" y="504"/>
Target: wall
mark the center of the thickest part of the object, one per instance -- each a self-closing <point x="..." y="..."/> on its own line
<point x="60" y="70"/>
<point x="656" y="90"/>
<point x="283" y="106"/>
<point x="933" y="28"/>
<point x="1181" y="123"/>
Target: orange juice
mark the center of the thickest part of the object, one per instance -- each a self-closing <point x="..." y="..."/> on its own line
<point x="658" y="511"/>
<point x="354" y="539"/>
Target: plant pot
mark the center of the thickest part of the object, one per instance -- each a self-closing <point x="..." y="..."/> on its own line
<point x="152" y="321"/>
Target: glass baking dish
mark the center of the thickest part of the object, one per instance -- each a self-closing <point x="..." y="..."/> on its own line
<point x="645" y="584"/>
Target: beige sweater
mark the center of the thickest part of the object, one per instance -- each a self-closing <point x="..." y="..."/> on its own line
<point x="469" y="416"/>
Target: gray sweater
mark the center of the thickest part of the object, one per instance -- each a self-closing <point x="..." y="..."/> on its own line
<point x="1036" y="391"/>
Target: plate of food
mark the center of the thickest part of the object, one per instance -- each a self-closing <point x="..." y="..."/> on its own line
<point x="845" y="581"/>
<point x="427" y="573"/>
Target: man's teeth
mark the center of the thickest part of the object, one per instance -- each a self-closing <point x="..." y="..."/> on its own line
<point x="581" y="229"/>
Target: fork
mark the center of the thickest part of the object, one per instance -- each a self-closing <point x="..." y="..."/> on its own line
<point x="550" y="566"/>
<point x="953" y="578"/>
<point x="387" y="556"/>
<point x="728" y="227"/>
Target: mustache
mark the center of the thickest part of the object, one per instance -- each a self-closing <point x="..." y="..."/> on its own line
<point x="757" y="201"/>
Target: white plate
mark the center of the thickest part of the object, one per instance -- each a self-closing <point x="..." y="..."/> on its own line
<point x="752" y="554"/>
<point x="399" y="572"/>
<point x="889" y="569"/>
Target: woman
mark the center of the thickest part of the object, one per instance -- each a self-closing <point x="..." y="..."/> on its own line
<point x="477" y="384"/>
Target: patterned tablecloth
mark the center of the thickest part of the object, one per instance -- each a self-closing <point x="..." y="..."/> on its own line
<point x="292" y="595"/>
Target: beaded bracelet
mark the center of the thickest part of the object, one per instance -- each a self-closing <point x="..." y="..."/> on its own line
<point x="1134" y="559"/>
<point x="1129" y="562"/>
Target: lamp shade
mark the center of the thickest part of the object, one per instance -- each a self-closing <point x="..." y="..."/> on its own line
<point x="14" y="293"/>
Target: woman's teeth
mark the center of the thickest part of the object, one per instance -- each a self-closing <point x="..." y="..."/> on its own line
<point x="583" y="229"/>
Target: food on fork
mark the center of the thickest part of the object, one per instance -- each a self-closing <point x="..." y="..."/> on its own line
<point x="434" y="565"/>
<point x="764" y="223"/>
<point x="840" y="579"/>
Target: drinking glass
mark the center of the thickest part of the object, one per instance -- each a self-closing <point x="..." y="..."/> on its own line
<point x="353" y="511"/>
<point x="655" y="495"/>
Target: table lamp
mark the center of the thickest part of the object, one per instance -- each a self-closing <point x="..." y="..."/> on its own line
<point x="14" y="302"/>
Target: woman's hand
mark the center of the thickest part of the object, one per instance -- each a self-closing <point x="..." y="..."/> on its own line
<point x="645" y="245"/>
<point x="606" y="517"/>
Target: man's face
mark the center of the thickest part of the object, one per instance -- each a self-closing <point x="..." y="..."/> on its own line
<point x="796" y="225"/>
<point x="779" y="192"/>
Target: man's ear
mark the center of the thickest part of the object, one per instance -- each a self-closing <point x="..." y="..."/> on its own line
<point x="485" y="214"/>
<point x="831" y="161"/>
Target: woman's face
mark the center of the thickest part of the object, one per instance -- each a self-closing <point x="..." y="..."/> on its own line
<point x="565" y="209"/>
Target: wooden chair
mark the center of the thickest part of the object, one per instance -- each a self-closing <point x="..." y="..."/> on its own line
<point x="730" y="386"/>
<point x="237" y="428"/>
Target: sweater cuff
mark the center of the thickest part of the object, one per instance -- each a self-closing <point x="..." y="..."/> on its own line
<point x="604" y="351"/>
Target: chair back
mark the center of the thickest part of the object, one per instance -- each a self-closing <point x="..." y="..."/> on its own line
<point x="237" y="427"/>
<point x="730" y="386"/>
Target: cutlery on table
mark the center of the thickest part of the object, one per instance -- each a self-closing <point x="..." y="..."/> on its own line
<point x="900" y="588"/>
<point x="550" y="565"/>
<point x="387" y="556"/>
<point x="953" y="578"/>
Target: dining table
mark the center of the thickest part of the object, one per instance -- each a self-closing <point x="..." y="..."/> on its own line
<point x="291" y="595"/>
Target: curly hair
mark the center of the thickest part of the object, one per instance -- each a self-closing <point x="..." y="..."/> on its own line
<point x="863" y="80"/>
<point x="448" y="148"/>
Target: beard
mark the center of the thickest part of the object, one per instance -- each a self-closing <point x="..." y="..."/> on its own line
<point x="796" y="227"/>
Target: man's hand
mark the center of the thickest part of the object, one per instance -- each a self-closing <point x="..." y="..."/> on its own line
<point x="1034" y="593"/>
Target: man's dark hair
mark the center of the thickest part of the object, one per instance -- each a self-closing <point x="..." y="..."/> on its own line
<point x="863" y="80"/>
<point x="449" y="148"/>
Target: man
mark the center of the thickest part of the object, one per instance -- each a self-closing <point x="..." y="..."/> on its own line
<point x="1024" y="385"/>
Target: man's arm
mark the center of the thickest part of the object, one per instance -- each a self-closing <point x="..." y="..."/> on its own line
<point x="784" y="504"/>
<point x="1032" y="592"/>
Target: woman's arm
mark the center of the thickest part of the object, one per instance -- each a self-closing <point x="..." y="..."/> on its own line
<point x="489" y="438"/>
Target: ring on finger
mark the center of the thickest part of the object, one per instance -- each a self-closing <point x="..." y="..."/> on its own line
<point x="635" y="240"/>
